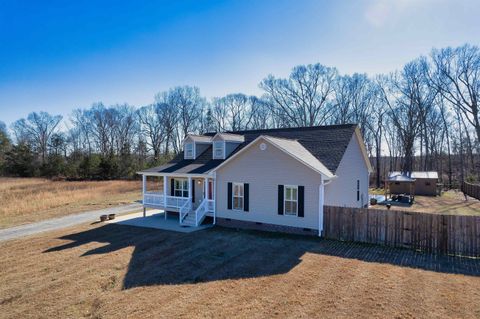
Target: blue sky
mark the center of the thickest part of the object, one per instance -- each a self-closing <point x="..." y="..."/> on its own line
<point x="60" y="55"/>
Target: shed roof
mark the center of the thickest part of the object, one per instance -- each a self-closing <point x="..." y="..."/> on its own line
<point x="400" y="178"/>
<point x="417" y="174"/>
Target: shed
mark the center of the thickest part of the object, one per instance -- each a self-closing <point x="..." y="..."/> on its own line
<point x="398" y="183"/>
<point x="425" y="182"/>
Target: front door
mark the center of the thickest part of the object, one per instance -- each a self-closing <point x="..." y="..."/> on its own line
<point x="210" y="189"/>
<point x="198" y="192"/>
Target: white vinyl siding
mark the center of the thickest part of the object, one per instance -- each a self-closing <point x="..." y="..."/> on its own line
<point x="264" y="171"/>
<point x="180" y="188"/>
<point x="290" y="198"/>
<point x="237" y="195"/>
<point x="342" y="191"/>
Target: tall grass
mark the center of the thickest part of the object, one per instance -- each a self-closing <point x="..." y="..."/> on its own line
<point x="31" y="199"/>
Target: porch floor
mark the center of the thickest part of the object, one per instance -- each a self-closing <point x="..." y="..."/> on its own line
<point x="155" y="218"/>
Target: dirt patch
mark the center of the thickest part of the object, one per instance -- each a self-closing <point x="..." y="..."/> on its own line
<point x="450" y="203"/>
<point x="111" y="271"/>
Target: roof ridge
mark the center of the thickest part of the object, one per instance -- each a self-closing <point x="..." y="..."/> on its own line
<point x="288" y="129"/>
<point x="281" y="138"/>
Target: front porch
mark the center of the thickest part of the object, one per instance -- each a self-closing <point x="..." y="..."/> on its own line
<point x="191" y="196"/>
<point x="155" y="218"/>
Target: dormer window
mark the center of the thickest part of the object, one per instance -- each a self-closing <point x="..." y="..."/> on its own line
<point x="188" y="150"/>
<point x="218" y="149"/>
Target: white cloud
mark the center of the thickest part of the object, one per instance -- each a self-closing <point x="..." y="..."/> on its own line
<point x="380" y="12"/>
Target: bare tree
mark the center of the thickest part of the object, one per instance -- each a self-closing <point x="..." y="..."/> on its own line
<point x="302" y="99"/>
<point x="239" y="112"/>
<point x="126" y="127"/>
<point x="151" y="126"/>
<point x="457" y="77"/>
<point x="169" y="117"/>
<point x="189" y="104"/>
<point x="409" y="99"/>
<point x="82" y="132"/>
<point x="375" y="126"/>
<point x="261" y="114"/>
<point x="37" y="128"/>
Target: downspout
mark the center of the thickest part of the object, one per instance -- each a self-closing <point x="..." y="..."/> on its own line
<point x="321" y="197"/>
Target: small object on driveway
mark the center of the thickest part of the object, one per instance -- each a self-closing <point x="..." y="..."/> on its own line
<point x="389" y="206"/>
<point x="111" y="216"/>
<point x="103" y="218"/>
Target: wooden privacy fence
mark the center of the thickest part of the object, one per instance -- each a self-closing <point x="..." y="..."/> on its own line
<point x="471" y="190"/>
<point x="445" y="234"/>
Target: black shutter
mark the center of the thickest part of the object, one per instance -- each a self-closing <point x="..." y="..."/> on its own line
<point x="245" y="197"/>
<point x="301" y="201"/>
<point x="358" y="190"/>
<point x="280" y="199"/>
<point x="229" y="194"/>
<point x="172" y="187"/>
<point x="193" y="191"/>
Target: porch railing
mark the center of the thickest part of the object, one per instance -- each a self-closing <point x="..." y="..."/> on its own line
<point x="157" y="199"/>
<point x="205" y="207"/>
<point x="153" y="199"/>
<point x="210" y="205"/>
<point x="185" y="209"/>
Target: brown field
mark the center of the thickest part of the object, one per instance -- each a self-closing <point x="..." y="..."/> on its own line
<point x="114" y="271"/>
<point x="25" y="200"/>
<point x="450" y="203"/>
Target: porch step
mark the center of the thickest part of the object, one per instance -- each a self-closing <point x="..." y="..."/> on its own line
<point x="189" y="219"/>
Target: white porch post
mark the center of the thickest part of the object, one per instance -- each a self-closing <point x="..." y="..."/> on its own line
<point x="190" y="188"/>
<point x="321" y="202"/>
<point x="165" y="195"/>
<point x="214" y="197"/>
<point x="207" y="189"/>
<point x="144" y="190"/>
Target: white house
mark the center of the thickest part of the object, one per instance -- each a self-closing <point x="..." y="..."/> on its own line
<point x="274" y="178"/>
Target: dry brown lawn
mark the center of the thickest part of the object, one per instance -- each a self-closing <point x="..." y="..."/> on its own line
<point x="450" y="203"/>
<point x="114" y="271"/>
<point x="25" y="200"/>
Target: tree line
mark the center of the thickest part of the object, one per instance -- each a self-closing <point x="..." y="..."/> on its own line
<point x="424" y="116"/>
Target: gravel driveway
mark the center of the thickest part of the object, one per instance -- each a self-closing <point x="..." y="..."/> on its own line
<point x="62" y="222"/>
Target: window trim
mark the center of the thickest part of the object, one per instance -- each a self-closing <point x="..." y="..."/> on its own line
<point x="193" y="150"/>
<point x="222" y="143"/>
<point x="290" y="200"/>
<point x="241" y="209"/>
<point x="182" y="190"/>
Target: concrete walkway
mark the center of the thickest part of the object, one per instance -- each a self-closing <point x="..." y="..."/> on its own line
<point x="63" y="222"/>
<point x="155" y="218"/>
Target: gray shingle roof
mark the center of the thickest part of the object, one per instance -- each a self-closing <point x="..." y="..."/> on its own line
<point x="326" y="143"/>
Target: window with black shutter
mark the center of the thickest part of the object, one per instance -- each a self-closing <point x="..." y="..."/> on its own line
<point x="291" y="200"/>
